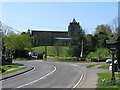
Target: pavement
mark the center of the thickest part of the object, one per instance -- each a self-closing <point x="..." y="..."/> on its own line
<point x="90" y="78"/>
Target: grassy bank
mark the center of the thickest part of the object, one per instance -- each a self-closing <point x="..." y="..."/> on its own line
<point x="103" y="53"/>
<point x="107" y="76"/>
<point x="104" y="66"/>
<point x="51" y="50"/>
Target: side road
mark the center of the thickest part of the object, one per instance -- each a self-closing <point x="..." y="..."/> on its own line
<point x="16" y="73"/>
<point x="90" y="78"/>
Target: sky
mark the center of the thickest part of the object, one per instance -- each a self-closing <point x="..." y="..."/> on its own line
<point x="57" y="15"/>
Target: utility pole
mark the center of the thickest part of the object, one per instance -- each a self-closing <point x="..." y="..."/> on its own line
<point x="45" y="45"/>
<point x="81" y="54"/>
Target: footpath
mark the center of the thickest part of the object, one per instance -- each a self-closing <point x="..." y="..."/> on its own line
<point x="90" y="78"/>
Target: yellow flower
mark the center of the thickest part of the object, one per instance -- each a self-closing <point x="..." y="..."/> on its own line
<point x="103" y="80"/>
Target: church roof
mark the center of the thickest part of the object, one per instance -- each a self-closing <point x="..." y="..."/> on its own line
<point x="47" y="30"/>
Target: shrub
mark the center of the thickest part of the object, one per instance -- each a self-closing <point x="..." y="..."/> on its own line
<point x="111" y="82"/>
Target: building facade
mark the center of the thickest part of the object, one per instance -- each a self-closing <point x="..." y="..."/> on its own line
<point x="50" y="38"/>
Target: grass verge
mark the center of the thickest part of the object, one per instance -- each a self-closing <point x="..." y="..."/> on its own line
<point x="51" y="51"/>
<point x="90" y="66"/>
<point x="6" y="67"/>
<point x="22" y="59"/>
<point x="104" y="66"/>
<point x="106" y="76"/>
<point x="12" y="71"/>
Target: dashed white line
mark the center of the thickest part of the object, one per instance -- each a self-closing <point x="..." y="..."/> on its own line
<point x="37" y="79"/>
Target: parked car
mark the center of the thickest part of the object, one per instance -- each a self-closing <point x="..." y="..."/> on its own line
<point x="109" y="60"/>
<point x="6" y="60"/>
<point x="115" y="63"/>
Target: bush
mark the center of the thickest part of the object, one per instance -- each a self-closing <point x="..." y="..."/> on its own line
<point x="111" y="82"/>
<point x="6" y="61"/>
<point x="96" y="59"/>
<point x="40" y="56"/>
<point x="2" y="70"/>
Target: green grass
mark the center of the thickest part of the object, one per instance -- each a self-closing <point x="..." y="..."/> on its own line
<point x="106" y="76"/>
<point x="6" y="67"/>
<point x="104" y="53"/>
<point x="104" y="66"/>
<point x="90" y="66"/>
<point x="51" y="50"/>
<point x="8" y="72"/>
<point x="22" y="59"/>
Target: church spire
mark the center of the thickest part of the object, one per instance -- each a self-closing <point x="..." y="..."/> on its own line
<point x="74" y="21"/>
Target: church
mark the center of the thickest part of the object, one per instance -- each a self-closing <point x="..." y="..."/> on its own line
<point x="51" y="38"/>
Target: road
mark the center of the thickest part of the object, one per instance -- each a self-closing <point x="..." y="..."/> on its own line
<point x="47" y="75"/>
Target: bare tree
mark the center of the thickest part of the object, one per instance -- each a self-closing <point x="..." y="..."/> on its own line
<point x="114" y="25"/>
<point x="57" y="48"/>
<point x="116" y="33"/>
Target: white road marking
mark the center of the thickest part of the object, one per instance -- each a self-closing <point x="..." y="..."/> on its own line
<point x="37" y="79"/>
<point x="57" y="62"/>
<point x="78" y="81"/>
<point x="75" y="65"/>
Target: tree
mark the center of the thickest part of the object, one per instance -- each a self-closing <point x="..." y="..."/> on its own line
<point x="57" y="48"/>
<point x="118" y="49"/>
<point x="75" y="42"/>
<point x="116" y="33"/>
<point x="90" y="43"/>
<point x="17" y="44"/>
<point x="102" y="32"/>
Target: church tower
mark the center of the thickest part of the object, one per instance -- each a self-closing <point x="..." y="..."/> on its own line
<point x="73" y="26"/>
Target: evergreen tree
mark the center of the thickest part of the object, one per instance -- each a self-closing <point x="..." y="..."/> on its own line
<point x="75" y="42"/>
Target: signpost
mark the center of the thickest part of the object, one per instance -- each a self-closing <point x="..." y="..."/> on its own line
<point x="112" y="46"/>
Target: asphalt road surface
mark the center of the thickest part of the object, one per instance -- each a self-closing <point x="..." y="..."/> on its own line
<point x="47" y="75"/>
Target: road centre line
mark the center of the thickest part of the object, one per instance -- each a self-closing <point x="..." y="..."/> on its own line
<point x="38" y="79"/>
